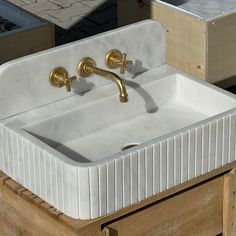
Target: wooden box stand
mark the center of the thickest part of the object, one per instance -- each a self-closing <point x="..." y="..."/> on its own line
<point x="203" y="206"/>
<point x="205" y="49"/>
<point x="33" y="35"/>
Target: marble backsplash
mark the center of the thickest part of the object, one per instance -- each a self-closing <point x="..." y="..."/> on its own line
<point x="25" y="81"/>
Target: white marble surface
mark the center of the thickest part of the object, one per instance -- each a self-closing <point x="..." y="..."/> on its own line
<point x="186" y="127"/>
<point x="151" y="107"/>
<point x="24" y="82"/>
<point x="198" y="137"/>
<point x="204" y="9"/>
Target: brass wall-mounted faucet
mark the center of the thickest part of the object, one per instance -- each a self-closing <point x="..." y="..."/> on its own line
<point x="115" y="59"/>
<point x="87" y="66"/>
<point x="59" y="77"/>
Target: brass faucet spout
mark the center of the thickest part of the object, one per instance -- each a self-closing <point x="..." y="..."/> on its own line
<point x="87" y="67"/>
<point x="112" y="76"/>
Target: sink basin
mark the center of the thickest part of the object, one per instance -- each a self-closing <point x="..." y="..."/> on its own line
<point x="70" y="152"/>
<point x="155" y="109"/>
<point x="87" y="154"/>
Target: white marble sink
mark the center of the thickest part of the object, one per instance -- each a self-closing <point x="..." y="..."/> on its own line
<point x="102" y="128"/>
<point x="67" y="149"/>
<point x="69" y="152"/>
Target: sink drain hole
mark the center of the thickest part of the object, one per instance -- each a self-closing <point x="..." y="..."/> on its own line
<point x="128" y="146"/>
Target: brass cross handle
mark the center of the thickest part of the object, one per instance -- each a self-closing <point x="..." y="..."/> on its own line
<point x="59" y="77"/>
<point x="115" y="59"/>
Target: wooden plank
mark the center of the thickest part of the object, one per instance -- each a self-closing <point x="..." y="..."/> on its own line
<point x="186" y="39"/>
<point x="221" y="58"/>
<point x="226" y="83"/>
<point x="27" y="205"/>
<point x="204" y="49"/>
<point x="125" y="16"/>
<point x="90" y="227"/>
<point x="26" y="42"/>
<point x="25" y="218"/>
<point x="229" y="204"/>
<point x="13" y="185"/>
<point x="194" y="212"/>
<point x="3" y="178"/>
<point x="7" y="228"/>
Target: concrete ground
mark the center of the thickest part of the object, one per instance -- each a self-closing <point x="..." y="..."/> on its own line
<point x="74" y="19"/>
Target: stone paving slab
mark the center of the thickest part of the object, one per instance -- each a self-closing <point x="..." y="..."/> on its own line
<point x="74" y="19"/>
<point x="72" y="14"/>
<point x="60" y="11"/>
<point x="41" y="6"/>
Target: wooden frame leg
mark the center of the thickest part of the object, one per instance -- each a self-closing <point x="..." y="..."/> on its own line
<point x="229" y="204"/>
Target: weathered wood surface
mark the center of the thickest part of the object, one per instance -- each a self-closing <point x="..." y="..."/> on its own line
<point x="186" y="40"/>
<point x="23" y="213"/>
<point x="27" y="42"/>
<point x="221" y="48"/>
<point x="197" y="211"/>
<point x="229" y="204"/>
<point x="204" y="49"/>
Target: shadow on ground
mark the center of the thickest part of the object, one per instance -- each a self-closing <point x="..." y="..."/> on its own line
<point x="101" y="19"/>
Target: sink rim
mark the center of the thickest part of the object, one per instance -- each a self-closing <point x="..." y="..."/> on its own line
<point x="59" y="178"/>
<point x="46" y="148"/>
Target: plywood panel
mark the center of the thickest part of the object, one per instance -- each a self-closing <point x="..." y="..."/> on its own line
<point x="204" y="49"/>
<point x="16" y="218"/>
<point x="19" y="207"/>
<point x="186" y="39"/>
<point x="195" y="212"/>
<point x="221" y="55"/>
<point x="26" y="42"/>
<point x="130" y="12"/>
<point x="229" y="207"/>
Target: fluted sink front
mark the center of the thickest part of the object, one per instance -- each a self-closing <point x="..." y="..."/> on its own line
<point x="71" y="152"/>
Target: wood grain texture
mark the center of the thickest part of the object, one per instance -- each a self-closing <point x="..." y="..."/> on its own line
<point x="138" y="13"/>
<point x="186" y="36"/>
<point x="221" y="44"/>
<point x="19" y="207"/>
<point x="186" y="39"/>
<point x="204" y="49"/>
<point x="194" y="212"/>
<point x="20" y="219"/>
<point x="27" y="42"/>
<point x="229" y="204"/>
